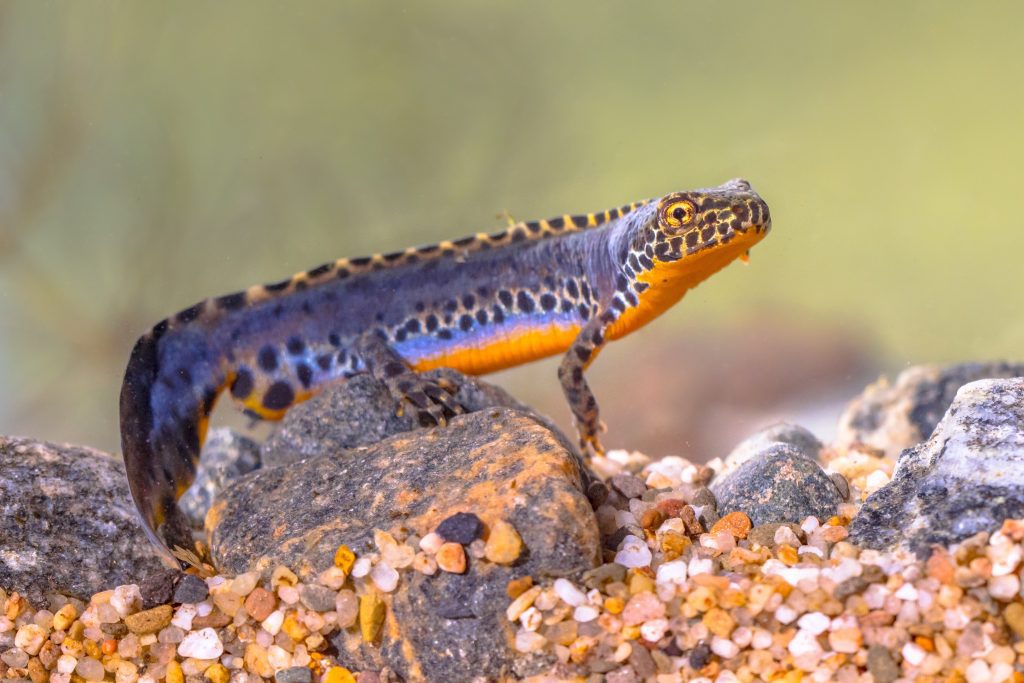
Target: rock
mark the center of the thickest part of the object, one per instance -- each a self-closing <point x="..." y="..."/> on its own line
<point x="968" y="477"/>
<point x="54" y="497"/>
<point x="778" y="484"/>
<point x="226" y="456"/>
<point x="498" y="464"/>
<point x="158" y="587"/>
<point x="190" y="590"/>
<point x="894" y="416"/>
<point x="295" y="674"/>
<point x="504" y="544"/>
<point x="881" y="664"/>
<point x="805" y="443"/>
<point x="462" y="527"/>
<point x="150" y="620"/>
<point x="361" y="412"/>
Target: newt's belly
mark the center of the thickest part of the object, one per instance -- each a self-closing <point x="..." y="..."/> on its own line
<point x="491" y="350"/>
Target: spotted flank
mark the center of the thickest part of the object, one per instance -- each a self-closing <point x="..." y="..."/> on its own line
<point x="565" y="285"/>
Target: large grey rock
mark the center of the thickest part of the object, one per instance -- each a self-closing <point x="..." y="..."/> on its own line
<point x="498" y="464"/>
<point x="968" y="477"/>
<point x="893" y="416"/>
<point x="227" y="455"/>
<point x="67" y="523"/>
<point x="361" y="411"/>
<point x="806" y="443"/>
<point x="777" y="484"/>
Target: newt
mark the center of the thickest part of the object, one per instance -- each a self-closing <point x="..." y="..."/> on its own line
<point x="486" y="302"/>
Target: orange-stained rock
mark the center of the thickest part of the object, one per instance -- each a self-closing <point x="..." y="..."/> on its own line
<point x="501" y="464"/>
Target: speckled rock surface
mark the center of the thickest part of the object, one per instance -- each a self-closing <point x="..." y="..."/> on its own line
<point x="894" y="416"/>
<point x="498" y="464"/>
<point x="227" y="455"/>
<point x="968" y="477"/>
<point x="361" y="412"/>
<point x="67" y="524"/>
<point x="777" y="484"/>
<point x="806" y="443"/>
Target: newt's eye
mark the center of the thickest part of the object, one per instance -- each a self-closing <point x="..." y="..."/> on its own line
<point x="678" y="214"/>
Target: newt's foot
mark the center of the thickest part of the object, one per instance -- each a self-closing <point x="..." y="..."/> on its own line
<point x="590" y="443"/>
<point x="432" y="400"/>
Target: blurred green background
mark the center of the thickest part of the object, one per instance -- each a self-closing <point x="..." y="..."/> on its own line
<point x="153" y="154"/>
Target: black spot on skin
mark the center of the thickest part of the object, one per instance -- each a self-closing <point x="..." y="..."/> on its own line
<point x="557" y="223"/>
<point x="585" y="291"/>
<point x="483" y="292"/>
<point x="579" y="221"/>
<point x="189" y="314"/>
<point x="505" y="297"/>
<point x="447" y="253"/>
<point x="307" y="308"/>
<point x="279" y="396"/>
<point x="451" y="305"/>
<point x="499" y="315"/>
<point x="572" y="289"/>
<point x="361" y="261"/>
<point x="420" y="307"/>
<point x="646" y="262"/>
<point x="481" y="316"/>
<point x="597" y="338"/>
<point x="621" y="283"/>
<point x="707" y="233"/>
<point x="301" y="285"/>
<point x="428" y="249"/>
<point x="334" y="339"/>
<point x="583" y="353"/>
<point x="691" y="239"/>
<point x="400" y="334"/>
<point x="278" y="286"/>
<point x="631" y="299"/>
<point x="295" y="346"/>
<point x="567" y="306"/>
<point x="464" y="242"/>
<point x="634" y="263"/>
<point x="231" y="302"/>
<point x="393" y="256"/>
<point x="267" y="359"/>
<point x="209" y="398"/>
<point x="342" y="357"/>
<point x="444" y="334"/>
<point x="525" y="302"/>
<point x="466" y="323"/>
<point x="448" y="318"/>
<point x="548" y="302"/>
<point x="324" y="362"/>
<point x="305" y="374"/>
<point x="618" y="304"/>
<point x="393" y="369"/>
<point x="159" y="329"/>
<point x="584" y="311"/>
<point x="342" y="273"/>
<point x="319" y="270"/>
<point x="577" y="375"/>
<point x="379" y="317"/>
<point x="277" y="311"/>
<point x="468" y="301"/>
<point x="412" y="326"/>
<point x="518" y="236"/>
<point x="608" y="317"/>
<point x="533" y="226"/>
<point x="432" y="322"/>
<point x="616" y="213"/>
<point x="641" y="287"/>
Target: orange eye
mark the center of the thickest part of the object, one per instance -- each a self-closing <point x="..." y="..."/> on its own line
<point x="677" y="214"/>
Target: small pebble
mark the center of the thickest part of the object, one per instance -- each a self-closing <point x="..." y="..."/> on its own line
<point x="90" y="669"/>
<point x="569" y="593"/>
<point x="451" y="558"/>
<point x="317" y="598"/>
<point x="203" y="644"/>
<point x="190" y="589"/>
<point x="371" y="616"/>
<point x="384" y="577"/>
<point x="504" y="544"/>
<point x="260" y="603"/>
<point x="295" y="674"/>
<point x="633" y="552"/>
<point x="150" y="620"/>
<point x="462" y="528"/>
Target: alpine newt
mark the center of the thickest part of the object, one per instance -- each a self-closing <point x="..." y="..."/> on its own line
<point x="478" y="304"/>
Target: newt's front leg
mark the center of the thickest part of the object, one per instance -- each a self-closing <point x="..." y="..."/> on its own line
<point x="577" y="392"/>
<point x="433" y="400"/>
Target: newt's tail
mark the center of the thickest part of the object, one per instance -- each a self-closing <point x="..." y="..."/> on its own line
<point x="171" y="383"/>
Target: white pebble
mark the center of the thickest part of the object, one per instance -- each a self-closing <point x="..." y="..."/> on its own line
<point x="913" y="654"/>
<point x="814" y="622"/>
<point x="361" y="567"/>
<point x="384" y="577"/>
<point x="126" y="599"/>
<point x="585" y="613"/>
<point x="272" y="624"/>
<point x="1004" y="587"/>
<point x="672" y="572"/>
<point x="30" y="638"/>
<point x="652" y="631"/>
<point x="203" y="644"/>
<point x="762" y="639"/>
<point x="431" y="543"/>
<point x="804" y="643"/>
<point x="741" y="635"/>
<point x="633" y="552"/>
<point x="66" y="664"/>
<point x="570" y="594"/>
<point x="906" y="592"/>
<point x="57" y="677"/>
<point x="183" y="617"/>
<point x="978" y="672"/>
<point x="1005" y="558"/>
<point x="528" y="641"/>
<point x="699" y="565"/>
<point x="288" y="594"/>
<point x="785" y="536"/>
<point x="724" y="648"/>
<point x="531" y="619"/>
<point x="332" y="577"/>
<point x="203" y="608"/>
<point x="785" y="614"/>
<point x="278" y="657"/>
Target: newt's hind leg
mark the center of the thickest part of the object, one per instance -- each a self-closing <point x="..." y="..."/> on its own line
<point x="577" y="392"/>
<point x="432" y="400"/>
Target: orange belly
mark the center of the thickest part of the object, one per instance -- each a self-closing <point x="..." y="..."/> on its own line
<point x="505" y="350"/>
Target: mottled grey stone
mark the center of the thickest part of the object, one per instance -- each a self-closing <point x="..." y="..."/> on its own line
<point x="190" y="590"/>
<point x="295" y="674"/>
<point x="361" y="411"/>
<point x="67" y="523"/>
<point x="968" y="477"/>
<point x="802" y="440"/>
<point x="317" y="598"/>
<point x="497" y="464"/>
<point x="893" y="416"/>
<point x="226" y="456"/>
<point x="777" y="484"/>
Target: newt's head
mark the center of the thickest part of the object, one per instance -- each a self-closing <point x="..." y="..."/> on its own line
<point x="730" y="217"/>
